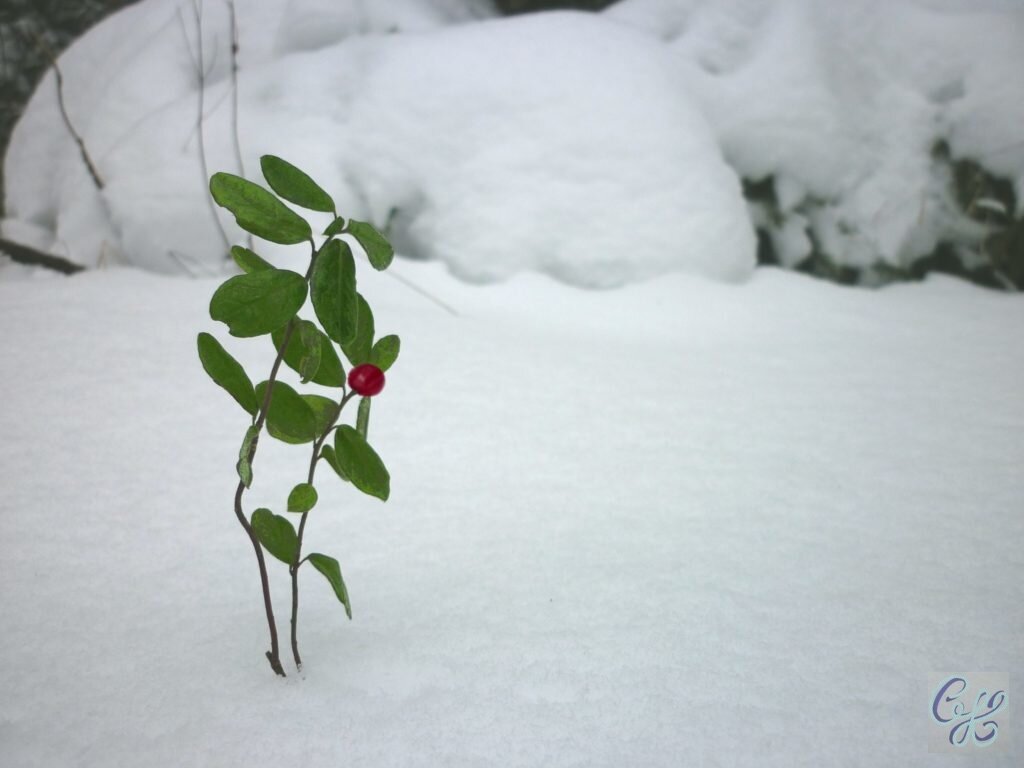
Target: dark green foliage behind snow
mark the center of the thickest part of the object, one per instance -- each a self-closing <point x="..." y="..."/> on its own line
<point x="983" y="240"/>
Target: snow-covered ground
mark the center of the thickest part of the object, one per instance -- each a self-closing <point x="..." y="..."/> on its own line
<point x="676" y="524"/>
<point x="679" y="523"/>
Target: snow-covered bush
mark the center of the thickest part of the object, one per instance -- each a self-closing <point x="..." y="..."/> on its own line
<point x="556" y="142"/>
<point x="979" y="238"/>
<point x="833" y="114"/>
<point x="597" y="148"/>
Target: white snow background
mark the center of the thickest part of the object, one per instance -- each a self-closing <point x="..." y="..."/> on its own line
<point x="683" y="522"/>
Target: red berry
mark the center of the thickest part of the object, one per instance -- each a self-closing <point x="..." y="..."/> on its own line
<point x="366" y="380"/>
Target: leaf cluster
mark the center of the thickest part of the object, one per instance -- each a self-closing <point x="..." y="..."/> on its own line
<point x="266" y="301"/>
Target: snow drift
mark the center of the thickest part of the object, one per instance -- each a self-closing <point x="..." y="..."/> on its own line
<point x="846" y="108"/>
<point x="596" y="148"/>
<point x="558" y="142"/>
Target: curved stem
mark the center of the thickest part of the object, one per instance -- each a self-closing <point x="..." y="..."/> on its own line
<point x="294" y="567"/>
<point x="273" y="655"/>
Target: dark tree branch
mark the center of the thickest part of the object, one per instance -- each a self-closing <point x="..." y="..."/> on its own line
<point x="24" y="254"/>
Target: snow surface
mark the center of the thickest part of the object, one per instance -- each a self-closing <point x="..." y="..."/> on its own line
<point x="675" y="524"/>
<point x="680" y="523"/>
<point x="559" y="142"/>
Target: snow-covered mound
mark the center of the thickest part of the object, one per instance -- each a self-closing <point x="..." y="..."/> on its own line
<point x="560" y="142"/>
<point x="844" y="104"/>
<point x="597" y="148"/>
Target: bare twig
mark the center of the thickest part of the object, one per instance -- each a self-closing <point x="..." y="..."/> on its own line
<point x="190" y="266"/>
<point x="234" y="99"/>
<point x="406" y="281"/>
<point x="48" y="52"/>
<point x="425" y="294"/>
<point x="197" y="58"/>
<point x="234" y="87"/>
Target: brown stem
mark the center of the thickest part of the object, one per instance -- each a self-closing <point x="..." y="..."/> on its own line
<point x="294" y="568"/>
<point x="199" y="60"/>
<point x="273" y="655"/>
<point x="236" y="141"/>
<point x="234" y="88"/>
<point x="48" y="52"/>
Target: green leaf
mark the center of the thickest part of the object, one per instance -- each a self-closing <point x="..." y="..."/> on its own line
<point x="335" y="227"/>
<point x="258" y="211"/>
<point x="357" y="349"/>
<point x="294" y="185"/>
<point x="363" y="417"/>
<point x="385" y="351"/>
<point x="276" y="534"/>
<point x="226" y="372"/>
<point x="329" y="567"/>
<point x="329" y="372"/>
<point x="258" y="303"/>
<point x="309" y="363"/>
<point x="378" y="249"/>
<point x="360" y="463"/>
<point x="302" y="498"/>
<point x="244" y="466"/>
<point x="323" y="411"/>
<point x="248" y="260"/>
<point x="289" y="418"/>
<point x="333" y="290"/>
<point x="328" y="454"/>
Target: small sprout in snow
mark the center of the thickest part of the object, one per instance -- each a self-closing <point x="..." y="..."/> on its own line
<point x="265" y="301"/>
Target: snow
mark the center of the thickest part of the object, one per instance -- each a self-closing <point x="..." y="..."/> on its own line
<point x="685" y="522"/>
<point x="559" y="143"/>
<point x="844" y="103"/>
<point x="680" y="523"/>
<point x="599" y="149"/>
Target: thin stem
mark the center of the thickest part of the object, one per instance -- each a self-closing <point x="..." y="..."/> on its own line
<point x="234" y="88"/>
<point x="273" y="655"/>
<point x="89" y="165"/>
<point x="197" y="12"/>
<point x="234" y="97"/>
<point x="294" y="568"/>
<point x="425" y="294"/>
